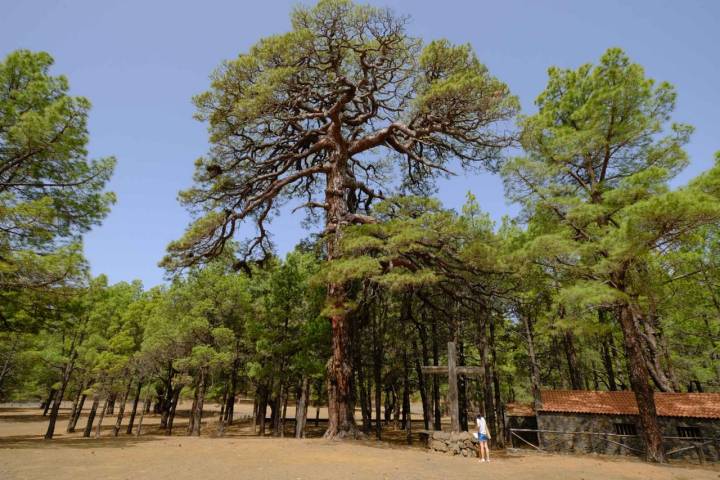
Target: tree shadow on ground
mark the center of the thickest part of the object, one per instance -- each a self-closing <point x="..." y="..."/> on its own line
<point x="37" y="441"/>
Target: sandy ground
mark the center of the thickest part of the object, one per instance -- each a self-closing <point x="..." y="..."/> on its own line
<point x="25" y="455"/>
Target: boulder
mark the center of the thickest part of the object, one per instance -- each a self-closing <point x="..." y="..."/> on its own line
<point x="439" y="446"/>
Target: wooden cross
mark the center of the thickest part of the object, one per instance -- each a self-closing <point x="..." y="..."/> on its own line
<point x="452" y="371"/>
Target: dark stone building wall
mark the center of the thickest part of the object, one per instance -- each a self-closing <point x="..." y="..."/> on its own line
<point x="611" y="444"/>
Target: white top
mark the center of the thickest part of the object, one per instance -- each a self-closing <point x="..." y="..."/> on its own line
<point x="482" y="426"/>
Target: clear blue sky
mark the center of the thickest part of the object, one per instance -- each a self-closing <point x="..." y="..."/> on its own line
<point x="139" y="62"/>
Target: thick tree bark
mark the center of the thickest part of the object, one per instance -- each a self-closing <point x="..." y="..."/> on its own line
<point x="341" y="418"/>
<point x="91" y="416"/>
<point x="640" y="381"/>
<point x="134" y="408"/>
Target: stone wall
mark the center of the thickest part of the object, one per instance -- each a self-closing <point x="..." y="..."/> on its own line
<point x="607" y="443"/>
<point x="463" y="443"/>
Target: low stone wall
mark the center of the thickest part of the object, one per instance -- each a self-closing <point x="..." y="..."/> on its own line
<point x="463" y="443"/>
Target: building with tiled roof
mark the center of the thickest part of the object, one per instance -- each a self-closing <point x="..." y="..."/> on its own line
<point x="607" y="422"/>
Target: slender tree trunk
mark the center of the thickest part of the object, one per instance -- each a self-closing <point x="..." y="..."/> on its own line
<point x="91" y="416"/>
<point x="262" y="408"/>
<point x="499" y="410"/>
<point x="72" y="424"/>
<point x="284" y="414"/>
<point x="170" y="420"/>
<point x="98" y="428"/>
<point x="76" y="409"/>
<point x="198" y="408"/>
<point x="462" y="390"/>
<point x="111" y="404"/>
<point x="301" y="407"/>
<point x="134" y="408"/>
<point x="362" y="388"/>
<point x="67" y="373"/>
<point x="575" y="375"/>
<point x="422" y="386"/>
<point x="406" y="414"/>
<point x="230" y="405"/>
<point x="488" y="399"/>
<point x="437" y="425"/>
<point x="165" y="400"/>
<point x="121" y="410"/>
<point x="145" y="408"/>
<point x="377" y="373"/>
<point x="47" y="403"/>
<point x="534" y="368"/>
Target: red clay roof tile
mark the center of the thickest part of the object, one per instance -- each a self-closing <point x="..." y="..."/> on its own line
<point x="696" y="405"/>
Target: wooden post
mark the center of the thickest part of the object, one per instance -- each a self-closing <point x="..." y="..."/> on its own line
<point x="453" y="388"/>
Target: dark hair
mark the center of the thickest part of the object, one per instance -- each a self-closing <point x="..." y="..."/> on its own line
<point x="478" y="417"/>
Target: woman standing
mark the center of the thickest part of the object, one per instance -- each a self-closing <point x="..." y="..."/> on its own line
<point x="483" y="436"/>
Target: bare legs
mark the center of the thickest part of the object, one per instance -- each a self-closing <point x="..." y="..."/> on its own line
<point x="484" y="451"/>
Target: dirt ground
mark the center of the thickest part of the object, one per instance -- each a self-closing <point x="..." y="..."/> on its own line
<point x="25" y="455"/>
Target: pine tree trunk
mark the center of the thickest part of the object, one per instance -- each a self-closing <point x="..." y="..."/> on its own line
<point x="76" y="409"/>
<point x="98" y="428"/>
<point x="165" y="400"/>
<point x="198" y="408"/>
<point x="377" y="373"/>
<point x="406" y="415"/>
<point x="576" y="380"/>
<point x="437" y="425"/>
<point x="134" y="408"/>
<point x="172" y="410"/>
<point x="499" y="410"/>
<point x="341" y="418"/>
<point x="145" y="408"/>
<point x="284" y="414"/>
<point x="606" y="351"/>
<point x="47" y="403"/>
<point x="91" y="416"/>
<point x="301" y="408"/>
<point x="422" y="386"/>
<point x="534" y="368"/>
<point x="121" y="410"/>
<point x="67" y="373"/>
<point x="111" y="404"/>
<point x="72" y="424"/>
<point x="640" y="381"/>
<point x="488" y="399"/>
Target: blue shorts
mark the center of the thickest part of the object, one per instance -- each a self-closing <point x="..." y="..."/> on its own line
<point x="482" y="437"/>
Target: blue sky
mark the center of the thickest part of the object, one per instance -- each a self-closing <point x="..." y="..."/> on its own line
<point x="140" y="62"/>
